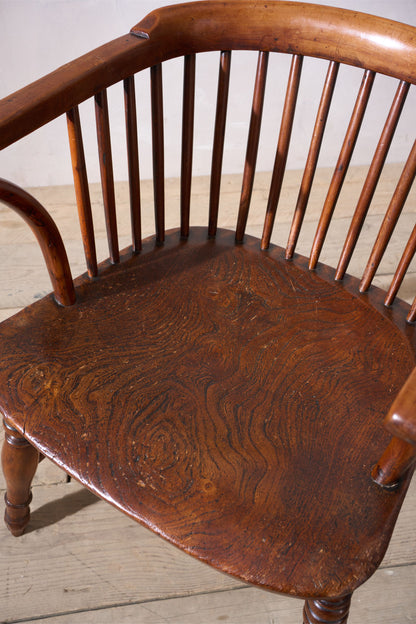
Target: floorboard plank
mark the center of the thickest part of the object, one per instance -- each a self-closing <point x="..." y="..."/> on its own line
<point x="383" y="600"/>
<point x="80" y="553"/>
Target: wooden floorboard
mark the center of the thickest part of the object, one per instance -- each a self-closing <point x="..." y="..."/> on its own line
<point x="85" y="560"/>
<point x="383" y="601"/>
<point x="81" y="561"/>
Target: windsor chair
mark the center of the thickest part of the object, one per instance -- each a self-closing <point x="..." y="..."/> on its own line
<point x="253" y="406"/>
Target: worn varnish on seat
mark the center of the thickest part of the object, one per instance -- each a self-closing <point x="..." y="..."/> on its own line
<point x="225" y="392"/>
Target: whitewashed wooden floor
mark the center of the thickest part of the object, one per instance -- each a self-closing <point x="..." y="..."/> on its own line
<point x="81" y="561"/>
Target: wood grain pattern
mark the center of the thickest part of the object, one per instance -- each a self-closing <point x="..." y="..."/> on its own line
<point x="163" y="419"/>
<point x="228" y="399"/>
<point x="156" y="581"/>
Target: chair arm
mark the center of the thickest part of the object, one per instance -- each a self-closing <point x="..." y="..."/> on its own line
<point x="56" y="93"/>
<point x="48" y="236"/>
<point x="400" y="421"/>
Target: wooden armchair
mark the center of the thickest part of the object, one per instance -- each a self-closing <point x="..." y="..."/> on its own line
<point x="253" y="406"/>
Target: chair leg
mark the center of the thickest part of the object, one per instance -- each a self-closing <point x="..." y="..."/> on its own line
<point x="327" y="611"/>
<point x="19" y="460"/>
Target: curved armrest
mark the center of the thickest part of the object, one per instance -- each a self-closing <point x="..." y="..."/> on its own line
<point x="400" y="421"/>
<point x="47" y="234"/>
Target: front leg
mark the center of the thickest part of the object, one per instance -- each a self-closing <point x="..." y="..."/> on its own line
<point x="19" y="460"/>
<point x="327" y="611"/>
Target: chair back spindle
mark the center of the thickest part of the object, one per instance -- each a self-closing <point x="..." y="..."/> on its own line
<point x="133" y="162"/>
<point x="390" y="219"/>
<point x="106" y="172"/>
<point x="372" y="178"/>
<point x="402" y="267"/>
<point x="218" y="144"/>
<point x="156" y="87"/>
<point x="411" y="317"/>
<point x="341" y="166"/>
<point x="252" y="145"/>
<point x="282" y="148"/>
<point x="187" y="140"/>
<point x="312" y="159"/>
<point x="82" y="192"/>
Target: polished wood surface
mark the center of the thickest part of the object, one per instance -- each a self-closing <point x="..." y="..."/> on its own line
<point x="223" y="395"/>
<point x="282" y="148"/>
<point x="387" y="48"/>
<point x="171" y="384"/>
<point x="48" y="236"/>
<point x="154" y="579"/>
<point x="19" y="461"/>
<point x="82" y="189"/>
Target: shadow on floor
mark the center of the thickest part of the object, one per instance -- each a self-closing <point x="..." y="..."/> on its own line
<point x="59" y="509"/>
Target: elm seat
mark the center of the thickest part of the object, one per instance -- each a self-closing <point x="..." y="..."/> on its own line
<point x="227" y="393"/>
<point x="132" y="392"/>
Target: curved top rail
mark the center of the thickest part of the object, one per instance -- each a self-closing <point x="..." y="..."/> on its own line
<point x="351" y="37"/>
<point x="378" y="44"/>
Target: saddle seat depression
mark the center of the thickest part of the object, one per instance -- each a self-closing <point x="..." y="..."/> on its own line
<point x="202" y="400"/>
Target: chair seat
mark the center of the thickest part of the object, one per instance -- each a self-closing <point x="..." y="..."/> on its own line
<point x="208" y="389"/>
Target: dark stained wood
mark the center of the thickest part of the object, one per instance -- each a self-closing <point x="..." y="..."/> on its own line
<point x="188" y="442"/>
<point x="168" y="32"/>
<point x="396" y="461"/>
<point x="106" y="172"/>
<point x="226" y="397"/>
<point x="326" y="611"/>
<point x="411" y="317"/>
<point x="400" y="455"/>
<point x="158" y="150"/>
<point x="341" y="166"/>
<point x="133" y="161"/>
<point x="187" y="140"/>
<point x="282" y="149"/>
<point x="82" y="192"/>
<point x="401" y="419"/>
<point x="403" y="265"/>
<point x="218" y="144"/>
<point x="390" y="219"/>
<point x="312" y="160"/>
<point x="48" y="236"/>
<point x="372" y="179"/>
<point x="252" y="145"/>
<point x="19" y="461"/>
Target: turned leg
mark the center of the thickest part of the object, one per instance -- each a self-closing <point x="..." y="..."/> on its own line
<point x="19" y="460"/>
<point x="326" y="611"/>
